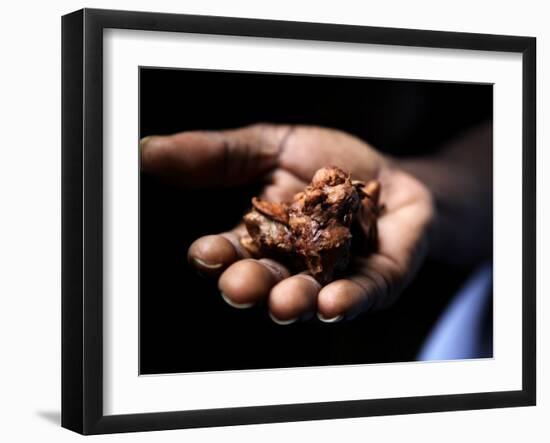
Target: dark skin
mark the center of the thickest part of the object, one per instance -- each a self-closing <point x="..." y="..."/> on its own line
<point x="434" y="206"/>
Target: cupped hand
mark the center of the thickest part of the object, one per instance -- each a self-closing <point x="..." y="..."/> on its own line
<point x="285" y="159"/>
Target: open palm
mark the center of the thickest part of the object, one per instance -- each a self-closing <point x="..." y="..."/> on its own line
<point x="285" y="159"/>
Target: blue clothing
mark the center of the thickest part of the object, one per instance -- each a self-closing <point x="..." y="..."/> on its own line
<point x="464" y="330"/>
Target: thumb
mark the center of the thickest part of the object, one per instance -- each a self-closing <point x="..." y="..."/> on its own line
<point x="214" y="158"/>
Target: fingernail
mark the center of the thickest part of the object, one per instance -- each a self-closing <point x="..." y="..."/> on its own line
<point x="282" y="322"/>
<point x="329" y="320"/>
<point x="144" y="141"/>
<point x="203" y="264"/>
<point x="236" y="305"/>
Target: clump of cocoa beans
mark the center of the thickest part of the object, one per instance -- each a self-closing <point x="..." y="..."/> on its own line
<point x="313" y="232"/>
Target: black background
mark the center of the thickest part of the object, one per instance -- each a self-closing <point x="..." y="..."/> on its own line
<point x="185" y="326"/>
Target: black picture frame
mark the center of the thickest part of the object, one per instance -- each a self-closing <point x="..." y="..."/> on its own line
<point x="82" y="219"/>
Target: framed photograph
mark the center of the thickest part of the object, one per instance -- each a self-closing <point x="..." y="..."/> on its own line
<point x="268" y="221"/>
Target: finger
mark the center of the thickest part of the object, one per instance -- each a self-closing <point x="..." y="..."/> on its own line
<point x="248" y="281"/>
<point x="373" y="286"/>
<point x="293" y="298"/>
<point x="212" y="254"/>
<point x="342" y="298"/>
<point x="377" y="280"/>
<point x="213" y="158"/>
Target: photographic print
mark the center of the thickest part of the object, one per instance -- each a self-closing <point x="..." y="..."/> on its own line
<point x="299" y="220"/>
<point x="269" y="221"/>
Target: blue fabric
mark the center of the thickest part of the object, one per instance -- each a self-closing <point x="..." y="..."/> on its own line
<point x="462" y="332"/>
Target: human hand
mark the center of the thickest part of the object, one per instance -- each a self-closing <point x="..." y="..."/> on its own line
<point x="285" y="159"/>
